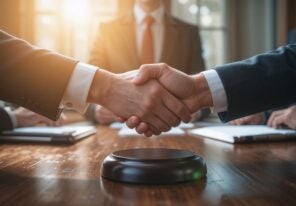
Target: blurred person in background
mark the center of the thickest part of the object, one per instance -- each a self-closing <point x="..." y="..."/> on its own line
<point x="20" y="117"/>
<point x="147" y="34"/>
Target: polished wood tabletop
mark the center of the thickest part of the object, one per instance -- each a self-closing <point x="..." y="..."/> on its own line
<point x="247" y="174"/>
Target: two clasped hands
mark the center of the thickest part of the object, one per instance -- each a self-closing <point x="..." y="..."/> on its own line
<point x="157" y="98"/>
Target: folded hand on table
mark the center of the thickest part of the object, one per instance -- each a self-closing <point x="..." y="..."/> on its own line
<point x="27" y="118"/>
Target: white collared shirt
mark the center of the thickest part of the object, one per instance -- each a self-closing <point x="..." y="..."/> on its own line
<point x="157" y="29"/>
<point x="220" y="103"/>
<point x="76" y="93"/>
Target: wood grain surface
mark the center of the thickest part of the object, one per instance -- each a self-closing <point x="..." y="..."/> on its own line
<point x="248" y="174"/>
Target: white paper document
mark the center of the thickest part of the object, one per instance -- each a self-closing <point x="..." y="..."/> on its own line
<point x="246" y="133"/>
<point x="186" y="125"/>
<point x="118" y="125"/>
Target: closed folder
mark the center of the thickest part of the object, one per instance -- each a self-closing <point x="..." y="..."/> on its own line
<point x="63" y="134"/>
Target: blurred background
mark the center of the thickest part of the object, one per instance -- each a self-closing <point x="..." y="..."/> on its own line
<point x="230" y="29"/>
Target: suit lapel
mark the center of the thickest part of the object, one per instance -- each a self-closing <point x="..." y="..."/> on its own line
<point x="171" y="35"/>
<point x="129" y="40"/>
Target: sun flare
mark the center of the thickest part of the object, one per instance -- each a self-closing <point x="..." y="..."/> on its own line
<point x="76" y="11"/>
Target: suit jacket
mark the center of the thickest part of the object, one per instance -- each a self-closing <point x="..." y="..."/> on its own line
<point x="292" y="37"/>
<point x="260" y="83"/>
<point x="32" y="77"/>
<point x="5" y="120"/>
<point x="115" y="46"/>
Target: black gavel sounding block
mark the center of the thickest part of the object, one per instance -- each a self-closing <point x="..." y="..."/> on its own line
<point x="153" y="166"/>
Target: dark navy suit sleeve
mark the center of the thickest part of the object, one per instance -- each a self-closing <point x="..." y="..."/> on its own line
<point x="260" y="83"/>
<point x="292" y="37"/>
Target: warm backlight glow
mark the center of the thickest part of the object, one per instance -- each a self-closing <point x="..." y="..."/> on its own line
<point x="76" y="11"/>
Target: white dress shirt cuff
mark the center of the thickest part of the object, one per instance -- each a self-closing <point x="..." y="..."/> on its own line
<point x="75" y="96"/>
<point x="217" y="90"/>
<point x="11" y="116"/>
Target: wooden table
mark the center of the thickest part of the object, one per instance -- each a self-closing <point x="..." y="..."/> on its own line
<point x="249" y="174"/>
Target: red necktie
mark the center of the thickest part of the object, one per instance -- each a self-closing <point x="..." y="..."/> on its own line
<point x="147" y="53"/>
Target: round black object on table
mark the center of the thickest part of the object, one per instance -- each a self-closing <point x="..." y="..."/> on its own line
<point x="153" y="166"/>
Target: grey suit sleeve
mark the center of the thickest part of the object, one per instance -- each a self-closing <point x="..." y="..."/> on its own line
<point x="260" y="83"/>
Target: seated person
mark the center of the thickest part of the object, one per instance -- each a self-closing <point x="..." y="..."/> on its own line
<point x="21" y="117"/>
<point x="148" y="34"/>
<point x="280" y="118"/>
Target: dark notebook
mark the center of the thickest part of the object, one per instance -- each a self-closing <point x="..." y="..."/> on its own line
<point x="63" y="134"/>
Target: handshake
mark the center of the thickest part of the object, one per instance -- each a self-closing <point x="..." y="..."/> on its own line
<point x="152" y="99"/>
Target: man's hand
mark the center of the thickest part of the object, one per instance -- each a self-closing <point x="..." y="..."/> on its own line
<point x="184" y="87"/>
<point x="192" y="90"/>
<point x="27" y="118"/>
<point x="284" y="117"/>
<point x="150" y="102"/>
<point x="250" y="120"/>
<point x="103" y="115"/>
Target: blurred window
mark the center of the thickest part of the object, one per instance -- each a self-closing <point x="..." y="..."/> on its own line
<point x="69" y="26"/>
<point x="209" y="15"/>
